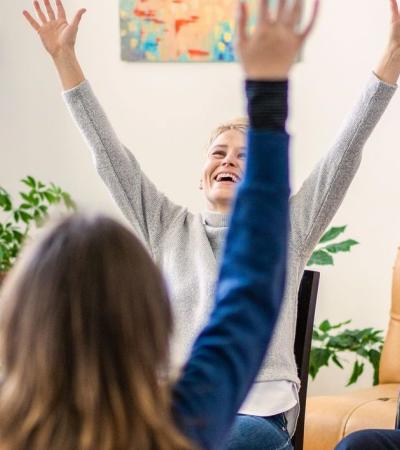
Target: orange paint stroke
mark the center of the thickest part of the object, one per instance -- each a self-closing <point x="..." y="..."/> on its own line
<point x="181" y="22"/>
<point x="195" y="52"/>
<point x="146" y="14"/>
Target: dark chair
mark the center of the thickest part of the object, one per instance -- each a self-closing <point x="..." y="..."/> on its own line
<point x="397" y="424"/>
<point x="307" y="299"/>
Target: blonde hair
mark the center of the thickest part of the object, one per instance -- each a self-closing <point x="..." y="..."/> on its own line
<point x="240" y="124"/>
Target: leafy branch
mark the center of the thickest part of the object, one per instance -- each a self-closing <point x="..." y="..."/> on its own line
<point x="322" y="255"/>
<point x="32" y="211"/>
<point x="330" y="342"/>
<point x="329" y="345"/>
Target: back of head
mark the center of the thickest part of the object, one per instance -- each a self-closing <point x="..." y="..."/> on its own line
<point x="84" y="328"/>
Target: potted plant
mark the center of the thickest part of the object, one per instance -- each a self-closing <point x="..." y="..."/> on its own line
<point x="332" y="341"/>
<point x="32" y="211"/>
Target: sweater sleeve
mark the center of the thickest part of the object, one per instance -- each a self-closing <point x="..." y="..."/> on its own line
<point x="147" y="209"/>
<point x="228" y="353"/>
<point x="319" y="198"/>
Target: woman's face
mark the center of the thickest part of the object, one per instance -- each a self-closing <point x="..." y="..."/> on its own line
<point x="223" y="170"/>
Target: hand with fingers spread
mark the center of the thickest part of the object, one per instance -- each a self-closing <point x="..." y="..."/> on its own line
<point x="389" y="67"/>
<point x="271" y="50"/>
<point x="54" y="30"/>
<point x="58" y="37"/>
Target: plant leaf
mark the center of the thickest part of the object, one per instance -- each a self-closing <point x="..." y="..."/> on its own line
<point x="335" y="359"/>
<point x="325" y="326"/>
<point x="316" y="336"/>
<point x="362" y="352"/>
<point x="25" y="206"/>
<point x="342" y="341"/>
<point x="50" y="197"/>
<point x="29" y="181"/>
<point x="320" y="258"/>
<point x="319" y="357"/>
<point x="332" y="233"/>
<point x="358" y="369"/>
<point x="5" y="200"/>
<point x="18" y="236"/>
<point x="25" y="216"/>
<point x="68" y="202"/>
<point x="344" y="246"/>
<point x="374" y="357"/>
<point x="26" y="197"/>
<point x="340" y="324"/>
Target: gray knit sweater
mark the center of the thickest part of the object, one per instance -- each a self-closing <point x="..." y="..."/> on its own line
<point x="185" y="244"/>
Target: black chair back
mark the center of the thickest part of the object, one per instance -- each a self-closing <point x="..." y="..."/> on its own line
<point x="307" y="299"/>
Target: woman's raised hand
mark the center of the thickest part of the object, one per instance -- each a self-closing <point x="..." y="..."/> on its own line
<point x="394" y="41"/>
<point x="58" y="38"/>
<point x="53" y="28"/>
<point x="270" y="51"/>
<point x="389" y="67"/>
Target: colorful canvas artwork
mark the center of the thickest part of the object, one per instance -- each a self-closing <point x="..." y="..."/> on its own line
<point x="179" y="30"/>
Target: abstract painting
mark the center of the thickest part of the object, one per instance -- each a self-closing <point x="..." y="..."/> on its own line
<point x="179" y="30"/>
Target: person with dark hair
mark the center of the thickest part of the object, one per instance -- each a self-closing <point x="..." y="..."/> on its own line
<point x="85" y="319"/>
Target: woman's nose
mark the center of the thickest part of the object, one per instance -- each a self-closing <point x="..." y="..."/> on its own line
<point x="229" y="161"/>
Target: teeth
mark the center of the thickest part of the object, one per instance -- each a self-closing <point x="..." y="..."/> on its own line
<point x="227" y="175"/>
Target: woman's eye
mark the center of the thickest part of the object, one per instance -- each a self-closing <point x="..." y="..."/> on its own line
<point x="218" y="154"/>
<point x="242" y="155"/>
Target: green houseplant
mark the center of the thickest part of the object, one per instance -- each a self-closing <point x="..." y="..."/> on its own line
<point x="332" y="342"/>
<point x="31" y="211"/>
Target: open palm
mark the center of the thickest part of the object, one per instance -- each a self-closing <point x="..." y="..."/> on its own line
<point x="395" y="31"/>
<point x="54" y="30"/>
<point x="271" y="49"/>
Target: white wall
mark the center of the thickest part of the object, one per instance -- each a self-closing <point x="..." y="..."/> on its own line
<point x="164" y="113"/>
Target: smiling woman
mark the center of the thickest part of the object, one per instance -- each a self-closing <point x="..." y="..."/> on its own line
<point x="224" y="165"/>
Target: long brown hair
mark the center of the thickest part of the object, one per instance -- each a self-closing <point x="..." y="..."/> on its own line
<point x="84" y="329"/>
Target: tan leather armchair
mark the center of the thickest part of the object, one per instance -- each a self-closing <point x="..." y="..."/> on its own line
<point x="330" y="418"/>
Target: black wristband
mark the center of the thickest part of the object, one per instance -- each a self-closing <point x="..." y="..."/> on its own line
<point x="267" y="104"/>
